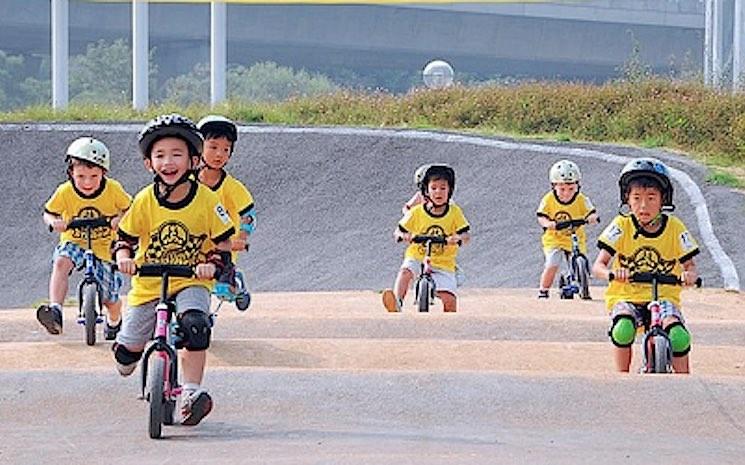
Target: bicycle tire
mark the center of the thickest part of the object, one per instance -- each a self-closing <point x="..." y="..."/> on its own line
<point x="155" y="397"/>
<point x="583" y="277"/>
<point x="242" y="301"/>
<point x="423" y="295"/>
<point x="169" y="412"/>
<point x="89" y="306"/>
<point x="661" y="354"/>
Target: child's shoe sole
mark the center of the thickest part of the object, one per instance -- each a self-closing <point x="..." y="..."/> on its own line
<point x="50" y="318"/>
<point x="390" y="301"/>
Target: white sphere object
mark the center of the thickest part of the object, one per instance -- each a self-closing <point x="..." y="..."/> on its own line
<point x="438" y="74"/>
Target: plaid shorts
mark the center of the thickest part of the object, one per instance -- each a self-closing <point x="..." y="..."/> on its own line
<point x="110" y="280"/>
<point x="641" y="313"/>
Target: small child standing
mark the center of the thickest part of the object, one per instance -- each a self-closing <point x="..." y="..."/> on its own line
<point x="563" y="203"/>
<point x="436" y="216"/>
<point x="88" y="193"/>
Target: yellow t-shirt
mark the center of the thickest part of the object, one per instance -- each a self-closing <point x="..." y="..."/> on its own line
<point x="639" y="251"/>
<point x="236" y="199"/>
<point x="108" y="201"/>
<point x="174" y="234"/>
<point x="579" y="208"/>
<point x="419" y="221"/>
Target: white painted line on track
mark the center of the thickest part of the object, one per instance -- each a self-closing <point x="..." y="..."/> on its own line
<point x="726" y="266"/>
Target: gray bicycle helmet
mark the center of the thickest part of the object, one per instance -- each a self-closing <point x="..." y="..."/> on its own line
<point x="646" y="168"/>
<point x="170" y="125"/>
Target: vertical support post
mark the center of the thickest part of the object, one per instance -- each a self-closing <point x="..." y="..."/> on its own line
<point x="708" y="41"/>
<point x="140" y="65"/>
<point x="218" y="52"/>
<point x="60" y="53"/>
<point x="717" y="55"/>
<point x="738" y="46"/>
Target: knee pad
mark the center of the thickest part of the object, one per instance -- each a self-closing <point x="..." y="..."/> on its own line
<point x="680" y="338"/>
<point x="194" y="330"/>
<point x="125" y="356"/>
<point x="623" y="331"/>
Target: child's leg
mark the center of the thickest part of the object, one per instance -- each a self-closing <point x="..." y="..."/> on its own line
<point x="552" y="263"/>
<point x="195" y="328"/>
<point x="547" y="277"/>
<point x="625" y="318"/>
<point x="449" y="301"/>
<point x="114" y="312"/>
<point x="680" y="339"/>
<point x="58" y="283"/>
<point x="403" y="281"/>
<point x="136" y="331"/>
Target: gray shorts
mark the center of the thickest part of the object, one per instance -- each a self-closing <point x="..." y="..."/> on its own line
<point x="555" y="257"/>
<point x="444" y="280"/>
<point x="641" y="314"/>
<point x="138" y="324"/>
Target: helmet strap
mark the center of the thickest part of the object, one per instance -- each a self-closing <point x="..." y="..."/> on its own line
<point x="164" y="190"/>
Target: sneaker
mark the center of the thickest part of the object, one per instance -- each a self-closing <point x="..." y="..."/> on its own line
<point x="391" y="302"/>
<point x="110" y="332"/>
<point x="543" y="294"/>
<point x="195" y="406"/>
<point x="50" y="317"/>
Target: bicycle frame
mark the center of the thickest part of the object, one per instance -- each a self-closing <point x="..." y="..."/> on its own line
<point x="655" y="329"/>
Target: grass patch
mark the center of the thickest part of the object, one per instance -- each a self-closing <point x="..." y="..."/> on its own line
<point x="723" y="178"/>
<point x="684" y="116"/>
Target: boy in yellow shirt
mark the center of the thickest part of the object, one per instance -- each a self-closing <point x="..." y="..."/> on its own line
<point x="651" y="240"/>
<point x="88" y="193"/>
<point x="436" y="216"/>
<point x="174" y="221"/>
<point x="563" y="203"/>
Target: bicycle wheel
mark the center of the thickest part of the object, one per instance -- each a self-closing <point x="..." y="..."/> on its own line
<point x="583" y="277"/>
<point x="423" y="295"/>
<point x="169" y="411"/>
<point x="242" y="301"/>
<point x="90" y="312"/>
<point x="661" y="354"/>
<point x="155" y="396"/>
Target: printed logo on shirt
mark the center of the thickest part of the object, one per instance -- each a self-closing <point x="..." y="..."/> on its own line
<point x="562" y="216"/>
<point x="686" y="241"/>
<point x="222" y="213"/>
<point x="613" y="233"/>
<point x="647" y="259"/>
<point x="437" y="249"/>
<point x="89" y="213"/>
<point x="173" y="244"/>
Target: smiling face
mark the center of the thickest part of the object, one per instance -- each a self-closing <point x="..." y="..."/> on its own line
<point x="645" y="202"/>
<point x="565" y="191"/>
<point x="217" y="152"/>
<point x="87" y="178"/>
<point x="438" y="191"/>
<point x="169" y="159"/>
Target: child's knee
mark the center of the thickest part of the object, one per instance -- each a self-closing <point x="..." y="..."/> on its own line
<point x="680" y="338"/>
<point x="63" y="265"/>
<point x="449" y="301"/>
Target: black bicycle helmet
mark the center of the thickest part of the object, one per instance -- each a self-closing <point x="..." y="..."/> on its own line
<point x="170" y="125"/>
<point x="438" y="170"/>
<point x="646" y="168"/>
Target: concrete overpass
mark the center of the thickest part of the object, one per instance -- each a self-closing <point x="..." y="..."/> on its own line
<point x="580" y="40"/>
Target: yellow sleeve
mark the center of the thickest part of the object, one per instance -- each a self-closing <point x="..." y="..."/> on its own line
<point x="131" y="225"/>
<point x="587" y="207"/>
<point x="610" y="238"/>
<point x="685" y="242"/>
<point x="122" y="199"/>
<point x="544" y="208"/>
<point x="461" y="223"/>
<point x="408" y="222"/>
<point x="242" y="198"/>
<point x="56" y="203"/>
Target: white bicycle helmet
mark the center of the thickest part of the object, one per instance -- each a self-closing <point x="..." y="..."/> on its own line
<point x="218" y="125"/>
<point x="564" y="171"/>
<point x="90" y="149"/>
<point x="419" y="175"/>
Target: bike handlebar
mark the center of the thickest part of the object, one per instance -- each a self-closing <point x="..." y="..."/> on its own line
<point x="661" y="278"/>
<point x="570" y="224"/>
<point x="82" y="223"/>
<point x="432" y="239"/>
<point x="158" y="270"/>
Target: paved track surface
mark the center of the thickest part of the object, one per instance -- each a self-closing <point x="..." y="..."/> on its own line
<point x="327" y="205"/>
<point x="323" y="378"/>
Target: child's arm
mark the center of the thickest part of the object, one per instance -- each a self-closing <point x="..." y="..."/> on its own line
<point x="601" y="268"/>
<point x="690" y="275"/>
<point x="402" y="236"/>
<point x="55" y="222"/>
<point x="593" y="218"/>
<point x="459" y="239"/>
<point x="545" y="222"/>
<point x="415" y="200"/>
<point x="123" y="251"/>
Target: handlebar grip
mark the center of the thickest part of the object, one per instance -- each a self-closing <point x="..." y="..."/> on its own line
<point x="157" y="271"/>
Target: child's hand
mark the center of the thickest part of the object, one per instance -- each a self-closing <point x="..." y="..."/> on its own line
<point x="621" y="275"/>
<point x="406" y="237"/>
<point x="126" y="266"/>
<point x="239" y="244"/>
<point x="455" y="239"/>
<point x="59" y="225"/>
<point x="115" y="222"/>
<point x="689" y="277"/>
<point x="205" y="271"/>
<point x="551" y="225"/>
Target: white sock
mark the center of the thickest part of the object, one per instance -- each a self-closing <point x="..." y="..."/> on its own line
<point x="190" y="388"/>
<point x="56" y="305"/>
